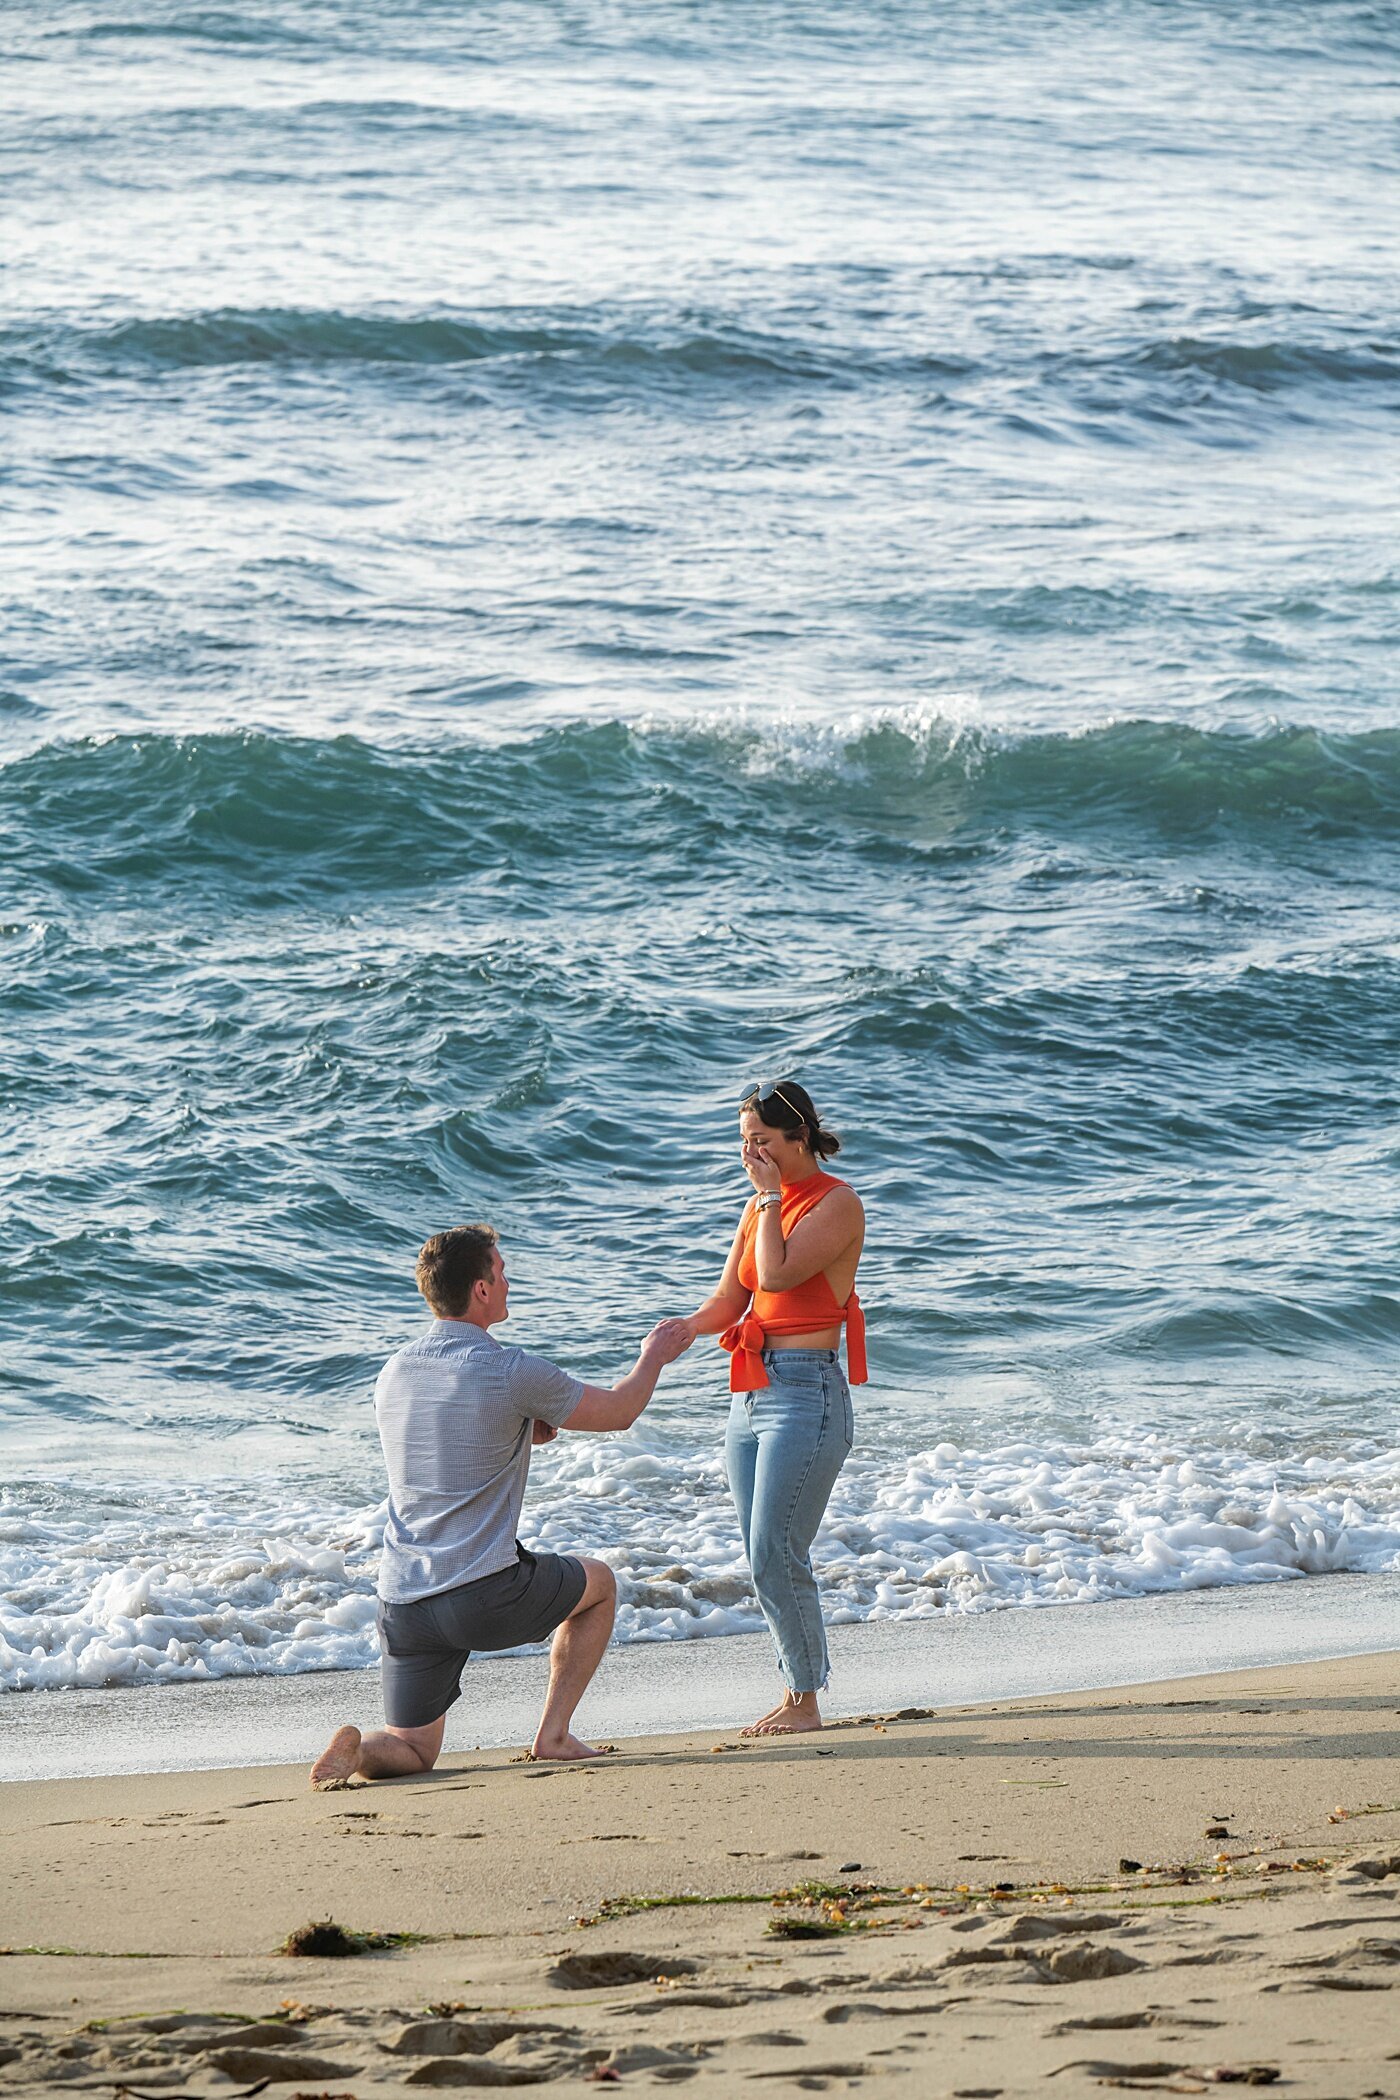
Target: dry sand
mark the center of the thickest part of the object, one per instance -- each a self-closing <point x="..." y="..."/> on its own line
<point x="994" y="1940"/>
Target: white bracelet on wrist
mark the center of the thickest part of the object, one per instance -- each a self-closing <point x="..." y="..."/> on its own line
<point x="767" y="1200"/>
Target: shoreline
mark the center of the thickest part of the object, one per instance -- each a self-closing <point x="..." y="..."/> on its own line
<point x="655" y="1689"/>
<point x="995" y="1899"/>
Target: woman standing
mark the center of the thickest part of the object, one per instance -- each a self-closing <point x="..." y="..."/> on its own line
<point x="788" y="1288"/>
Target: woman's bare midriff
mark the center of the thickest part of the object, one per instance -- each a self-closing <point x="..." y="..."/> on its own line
<point x="823" y="1338"/>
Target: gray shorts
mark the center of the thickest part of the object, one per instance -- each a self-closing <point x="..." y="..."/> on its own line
<point x="424" y="1644"/>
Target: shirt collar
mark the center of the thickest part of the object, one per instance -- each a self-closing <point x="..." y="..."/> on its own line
<point x="465" y="1331"/>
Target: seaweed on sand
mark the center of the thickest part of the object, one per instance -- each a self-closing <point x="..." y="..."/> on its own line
<point x="323" y="1938"/>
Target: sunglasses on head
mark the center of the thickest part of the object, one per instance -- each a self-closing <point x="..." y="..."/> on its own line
<point x="764" y="1090"/>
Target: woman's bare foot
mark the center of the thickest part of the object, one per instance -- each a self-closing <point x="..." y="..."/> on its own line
<point x="338" y="1762"/>
<point x="797" y="1715"/>
<point x="771" y="1715"/>
<point x="563" y="1749"/>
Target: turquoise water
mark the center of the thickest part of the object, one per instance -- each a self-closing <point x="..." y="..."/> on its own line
<point x="559" y="559"/>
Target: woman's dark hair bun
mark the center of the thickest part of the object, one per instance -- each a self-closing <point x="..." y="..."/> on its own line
<point x="791" y="1109"/>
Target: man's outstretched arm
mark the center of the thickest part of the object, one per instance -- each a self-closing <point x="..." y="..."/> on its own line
<point x="618" y="1406"/>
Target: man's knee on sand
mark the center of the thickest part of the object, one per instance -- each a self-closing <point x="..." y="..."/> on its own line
<point x="600" y="1587"/>
<point x="425" y="1742"/>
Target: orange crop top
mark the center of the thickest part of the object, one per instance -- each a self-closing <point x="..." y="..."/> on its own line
<point x="799" y="1311"/>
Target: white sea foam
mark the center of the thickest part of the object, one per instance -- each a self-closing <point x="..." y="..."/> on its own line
<point x="783" y="738"/>
<point x="243" y="1581"/>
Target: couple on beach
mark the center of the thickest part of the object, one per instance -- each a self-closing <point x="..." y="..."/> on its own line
<point x="458" y="1414"/>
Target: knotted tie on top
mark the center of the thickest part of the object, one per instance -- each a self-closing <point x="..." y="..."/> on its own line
<point x="801" y="1310"/>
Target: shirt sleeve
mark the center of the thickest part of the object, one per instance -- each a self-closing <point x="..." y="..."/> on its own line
<point x="540" y="1389"/>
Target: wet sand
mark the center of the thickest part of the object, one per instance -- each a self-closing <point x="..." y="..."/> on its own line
<point x="1023" y="1897"/>
<point x="949" y="1660"/>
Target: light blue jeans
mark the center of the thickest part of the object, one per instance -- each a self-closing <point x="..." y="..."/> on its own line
<point x="785" y="1445"/>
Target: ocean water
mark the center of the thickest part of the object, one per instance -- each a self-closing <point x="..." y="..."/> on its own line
<point x="560" y="557"/>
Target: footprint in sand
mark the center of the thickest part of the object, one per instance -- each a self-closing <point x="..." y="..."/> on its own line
<point x="466" y="2037"/>
<point x="672" y="2001"/>
<point x="1103" y="2022"/>
<point x="272" y="2066"/>
<point x="811" y="2072"/>
<point x="1048" y="1926"/>
<point x="1093" y="2068"/>
<point x="668" y="2064"/>
<point x="784" y="1856"/>
<point x="1085" y="1963"/>
<point x="594" y="1972"/>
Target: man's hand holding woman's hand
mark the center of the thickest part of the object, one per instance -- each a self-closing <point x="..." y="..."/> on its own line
<point x="668" y="1340"/>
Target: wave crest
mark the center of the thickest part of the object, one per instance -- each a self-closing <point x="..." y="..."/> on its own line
<point x="609" y="347"/>
<point x="339" y="811"/>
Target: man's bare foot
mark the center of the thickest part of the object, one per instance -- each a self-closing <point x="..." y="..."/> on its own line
<point x="798" y="1715"/>
<point x="564" y="1749"/>
<point x="338" y="1762"/>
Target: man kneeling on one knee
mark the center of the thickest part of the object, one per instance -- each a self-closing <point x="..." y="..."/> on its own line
<point x="458" y="1413"/>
